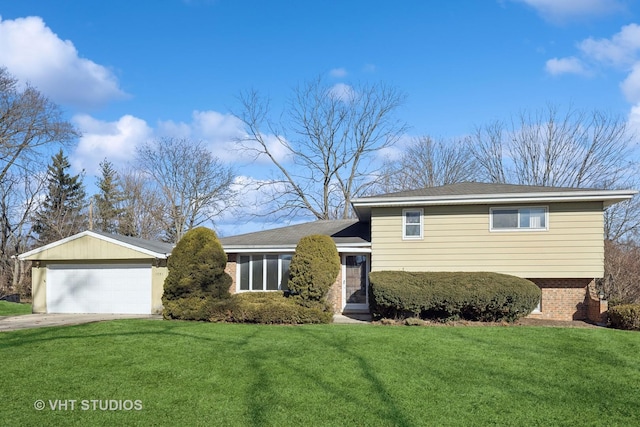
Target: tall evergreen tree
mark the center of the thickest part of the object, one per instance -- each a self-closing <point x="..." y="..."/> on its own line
<point x="63" y="212"/>
<point x="108" y="202"/>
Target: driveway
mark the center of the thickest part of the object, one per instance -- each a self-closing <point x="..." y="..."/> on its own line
<point x="27" y="321"/>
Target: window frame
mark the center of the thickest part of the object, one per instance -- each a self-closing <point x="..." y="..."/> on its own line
<point x="518" y="228"/>
<point x="404" y="224"/>
<point x="263" y="258"/>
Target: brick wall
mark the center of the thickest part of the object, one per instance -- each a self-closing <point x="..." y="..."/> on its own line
<point x="563" y="299"/>
<point x="334" y="297"/>
<point x="230" y="269"/>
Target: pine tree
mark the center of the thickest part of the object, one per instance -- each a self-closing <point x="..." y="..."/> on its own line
<point x="108" y="202"/>
<point x="62" y="213"/>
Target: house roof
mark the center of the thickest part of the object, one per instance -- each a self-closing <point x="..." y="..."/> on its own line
<point x="152" y="248"/>
<point x="348" y="233"/>
<point x="485" y="193"/>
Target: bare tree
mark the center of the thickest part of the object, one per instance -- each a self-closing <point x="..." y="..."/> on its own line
<point x="142" y="207"/>
<point x="324" y="145"/>
<point x="622" y="273"/>
<point x="429" y="163"/>
<point x="29" y="125"/>
<point x="574" y="149"/>
<point x="28" y="122"/>
<point x="196" y="187"/>
<point x="19" y="197"/>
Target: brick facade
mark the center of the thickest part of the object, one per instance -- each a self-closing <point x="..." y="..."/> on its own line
<point x="334" y="297"/>
<point x="564" y="299"/>
<point x="230" y="269"/>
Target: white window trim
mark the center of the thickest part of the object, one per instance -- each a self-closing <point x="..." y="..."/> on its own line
<point x="404" y="224"/>
<point x="518" y="229"/>
<point x="252" y="259"/>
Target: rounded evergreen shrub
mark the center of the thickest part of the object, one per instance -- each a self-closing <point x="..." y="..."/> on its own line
<point x="314" y="268"/>
<point x="451" y="295"/>
<point x="196" y="271"/>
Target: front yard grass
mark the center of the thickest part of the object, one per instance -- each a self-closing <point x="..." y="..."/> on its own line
<point x="14" y="309"/>
<point x="334" y="375"/>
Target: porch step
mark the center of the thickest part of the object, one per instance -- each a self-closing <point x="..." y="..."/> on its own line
<point x="352" y="318"/>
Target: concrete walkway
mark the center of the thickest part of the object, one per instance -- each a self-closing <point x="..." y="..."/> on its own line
<point x="27" y="321"/>
<point x="352" y="319"/>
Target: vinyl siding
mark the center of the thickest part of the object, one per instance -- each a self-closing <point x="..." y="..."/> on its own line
<point x="457" y="238"/>
<point x="88" y="248"/>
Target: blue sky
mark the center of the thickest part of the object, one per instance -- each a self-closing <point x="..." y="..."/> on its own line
<point x="126" y="72"/>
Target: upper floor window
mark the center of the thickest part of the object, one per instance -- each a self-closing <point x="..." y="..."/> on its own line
<point x="412" y="224"/>
<point x="532" y="218"/>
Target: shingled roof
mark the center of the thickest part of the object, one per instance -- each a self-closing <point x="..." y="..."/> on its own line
<point x="348" y="232"/>
<point x="475" y="188"/>
<point x="486" y="193"/>
<point x="151" y="245"/>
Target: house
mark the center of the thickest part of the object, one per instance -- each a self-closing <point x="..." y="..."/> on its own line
<point x="551" y="236"/>
<point x="93" y="272"/>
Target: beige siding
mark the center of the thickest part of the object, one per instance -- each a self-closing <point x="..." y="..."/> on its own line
<point x="457" y="238"/>
<point x="158" y="275"/>
<point x="38" y="289"/>
<point x="88" y="248"/>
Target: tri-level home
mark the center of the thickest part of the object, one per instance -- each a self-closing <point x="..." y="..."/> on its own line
<point x="551" y="236"/>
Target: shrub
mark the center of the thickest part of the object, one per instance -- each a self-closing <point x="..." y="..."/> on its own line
<point x="625" y="316"/>
<point x="196" y="273"/>
<point x="314" y="268"/>
<point x="189" y="308"/>
<point x="269" y="307"/>
<point x="451" y="295"/>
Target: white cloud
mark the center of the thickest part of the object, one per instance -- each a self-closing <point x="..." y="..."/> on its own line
<point x="621" y="50"/>
<point x="563" y="10"/>
<point x="631" y="85"/>
<point x="35" y="54"/>
<point x="569" y="65"/>
<point x="634" y="119"/>
<point x="115" y="141"/>
<point x="338" y="72"/>
<point x="343" y="92"/>
<point x="369" y="68"/>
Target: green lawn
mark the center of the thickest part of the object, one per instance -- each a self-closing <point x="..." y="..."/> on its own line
<point x="12" y="308"/>
<point x="228" y="374"/>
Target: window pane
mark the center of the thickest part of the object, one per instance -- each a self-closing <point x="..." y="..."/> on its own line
<point x="272" y="272"/>
<point x="505" y="218"/>
<point x="244" y="272"/>
<point x="532" y="218"/>
<point x="412" y="217"/>
<point x="286" y="262"/>
<point x="256" y="273"/>
<point x="412" y="230"/>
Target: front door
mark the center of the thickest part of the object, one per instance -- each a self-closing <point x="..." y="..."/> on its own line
<point x="355" y="282"/>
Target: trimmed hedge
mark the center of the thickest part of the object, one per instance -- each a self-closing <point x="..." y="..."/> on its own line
<point x="247" y="307"/>
<point x="625" y="316"/>
<point x="314" y="268"/>
<point x="480" y="296"/>
<point x="272" y="308"/>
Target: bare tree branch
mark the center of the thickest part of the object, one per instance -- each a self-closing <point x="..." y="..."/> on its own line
<point x="323" y="146"/>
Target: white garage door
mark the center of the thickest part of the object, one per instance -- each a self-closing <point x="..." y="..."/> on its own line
<point x="99" y="288"/>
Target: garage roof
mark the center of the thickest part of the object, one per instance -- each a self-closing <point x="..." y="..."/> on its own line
<point x="149" y="247"/>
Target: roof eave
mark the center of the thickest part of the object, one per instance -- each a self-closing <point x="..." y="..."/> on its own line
<point x="609" y="197"/>
<point x="27" y="255"/>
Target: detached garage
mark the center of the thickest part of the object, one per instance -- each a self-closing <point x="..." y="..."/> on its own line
<point x="93" y="272"/>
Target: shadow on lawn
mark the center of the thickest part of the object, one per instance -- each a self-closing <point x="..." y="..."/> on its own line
<point x="386" y="408"/>
<point x="262" y="398"/>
